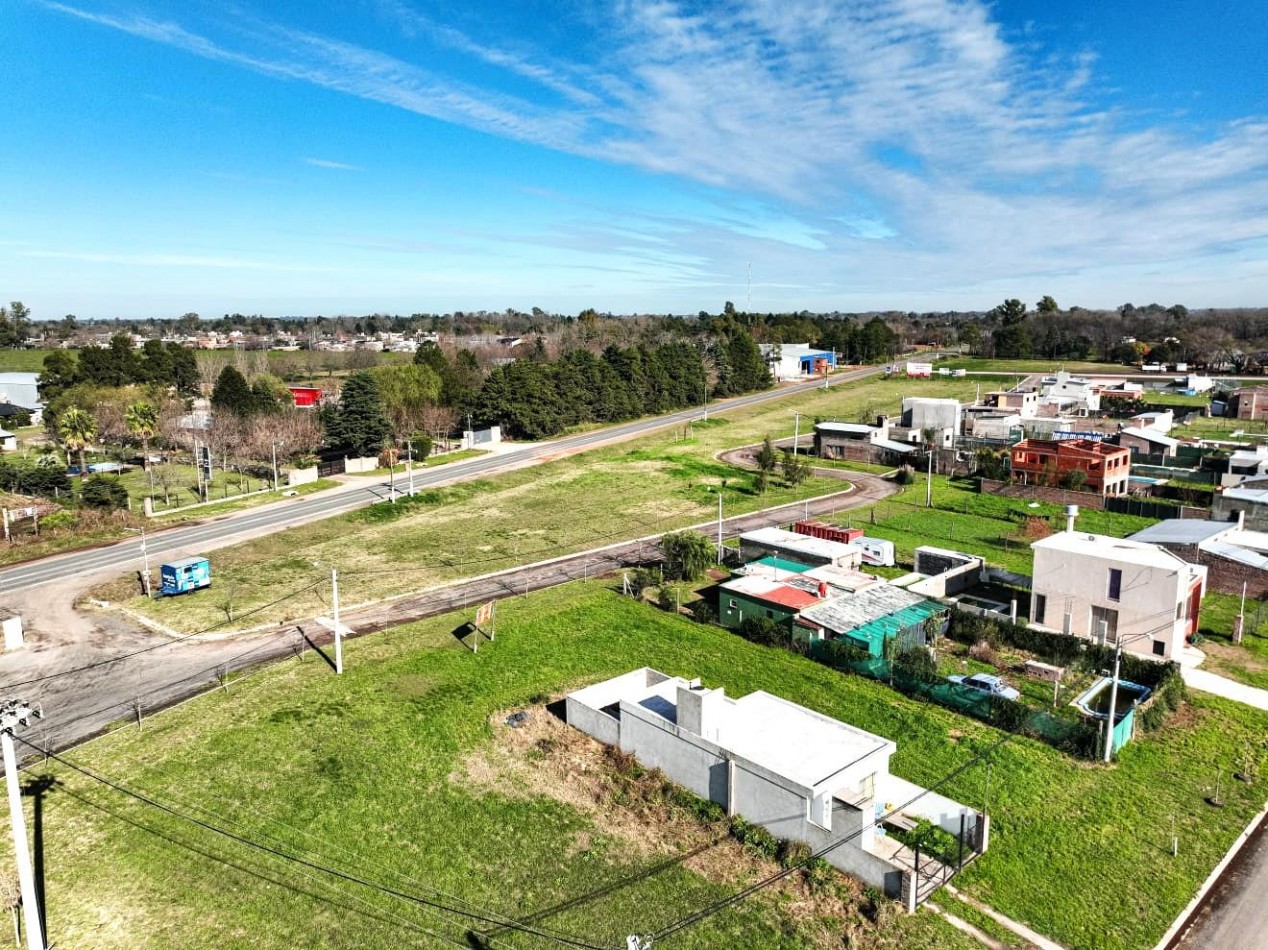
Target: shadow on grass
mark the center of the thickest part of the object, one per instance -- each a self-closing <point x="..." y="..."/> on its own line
<point x="312" y="644"/>
<point x="38" y="788"/>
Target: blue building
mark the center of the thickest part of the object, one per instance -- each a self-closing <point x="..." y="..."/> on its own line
<point x="180" y="577"/>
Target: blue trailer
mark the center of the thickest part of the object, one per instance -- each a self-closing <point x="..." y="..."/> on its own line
<point x="180" y="577"/>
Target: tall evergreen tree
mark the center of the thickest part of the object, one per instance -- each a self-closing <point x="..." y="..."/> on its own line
<point x="359" y="425"/>
<point x="232" y="393"/>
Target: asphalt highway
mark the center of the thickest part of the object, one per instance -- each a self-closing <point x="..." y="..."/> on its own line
<point x="227" y="529"/>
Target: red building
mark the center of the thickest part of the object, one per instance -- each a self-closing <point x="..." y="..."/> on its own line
<point x="305" y="396"/>
<point x="1105" y="468"/>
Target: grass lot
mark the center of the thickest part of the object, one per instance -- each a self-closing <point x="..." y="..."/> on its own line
<point x="980" y="364"/>
<point x="23" y="361"/>
<point x="374" y="772"/>
<point x="631" y="489"/>
<point x="964" y="519"/>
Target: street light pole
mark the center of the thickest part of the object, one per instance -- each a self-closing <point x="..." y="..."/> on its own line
<point x="409" y="447"/>
<point x="145" y="558"/>
<point x="13" y="715"/>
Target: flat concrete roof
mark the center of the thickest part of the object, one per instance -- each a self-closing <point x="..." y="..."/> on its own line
<point x="1104" y="548"/>
<point x="794" y="741"/>
<point x="804" y="543"/>
<point x="782" y="737"/>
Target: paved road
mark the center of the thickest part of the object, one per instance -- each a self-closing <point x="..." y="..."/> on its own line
<point x="79" y="703"/>
<point x="228" y="529"/>
<point x="1231" y="915"/>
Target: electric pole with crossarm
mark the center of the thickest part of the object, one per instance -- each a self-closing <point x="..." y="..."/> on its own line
<point x="15" y="714"/>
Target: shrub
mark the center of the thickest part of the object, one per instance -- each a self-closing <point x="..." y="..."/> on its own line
<point x="1008" y="714"/>
<point x="790" y="854"/>
<point x="818" y="875"/>
<point x="103" y="491"/>
<point x="667" y="599"/>
<point x="58" y="519"/>
<point x="756" y="839"/>
<point x="764" y="631"/>
<point x="916" y="664"/>
<point x="905" y="475"/>
<point x="840" y="652"/>
<point x="704" y="612"/>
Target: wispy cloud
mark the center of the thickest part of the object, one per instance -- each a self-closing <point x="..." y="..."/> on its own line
<point x="327" y="163"/>
<point x="907" y="138"/>
<point x="164" y="260"/>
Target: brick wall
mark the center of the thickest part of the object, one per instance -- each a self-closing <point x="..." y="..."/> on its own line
<point x="1056" y="496"/>
<point x="1224" y="575"/>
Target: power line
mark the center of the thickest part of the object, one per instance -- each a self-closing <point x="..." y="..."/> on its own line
<point x="485" y="916"/>
<point x="710" y="909"/>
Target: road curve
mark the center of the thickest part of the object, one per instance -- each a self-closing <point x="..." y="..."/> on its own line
<point x="220" y="532"/>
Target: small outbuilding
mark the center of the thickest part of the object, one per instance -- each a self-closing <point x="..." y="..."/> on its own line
<point x="185" y="575"/>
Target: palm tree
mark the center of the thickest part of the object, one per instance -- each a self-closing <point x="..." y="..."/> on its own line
<point x="142" y="421"/>
<point x="77" y="430"/>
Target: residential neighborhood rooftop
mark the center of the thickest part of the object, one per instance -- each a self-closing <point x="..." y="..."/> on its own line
<point x="1101" y="547"/>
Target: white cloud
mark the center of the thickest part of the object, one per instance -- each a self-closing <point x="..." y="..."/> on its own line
<point x="327" y="163"/>
<point x="1018" y="164"/>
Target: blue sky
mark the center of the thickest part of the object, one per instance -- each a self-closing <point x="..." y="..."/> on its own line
<point x="633" y="156"/>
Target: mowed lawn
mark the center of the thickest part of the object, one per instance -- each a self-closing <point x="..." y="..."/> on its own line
<point x="368" y="773"/>
<point x="633" y="489"/>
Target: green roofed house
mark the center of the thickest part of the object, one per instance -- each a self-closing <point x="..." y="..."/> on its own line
<point x="871" y="618"/>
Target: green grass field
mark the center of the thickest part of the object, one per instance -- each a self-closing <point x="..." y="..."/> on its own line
<point x="657" y="483"/>
<point x="979" y="364"/>
<point x="22" y="361"/>
<point x="385" y="772"/>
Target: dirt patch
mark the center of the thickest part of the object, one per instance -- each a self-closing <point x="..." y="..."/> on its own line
<point x="650" y="816"/>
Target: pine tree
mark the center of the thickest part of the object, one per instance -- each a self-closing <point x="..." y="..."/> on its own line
<point x="232" y="394"/>
<point x="359" y="424"/>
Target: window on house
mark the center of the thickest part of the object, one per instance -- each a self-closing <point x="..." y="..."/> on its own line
<point x="1180" y="610"/>
<point x="1160" y="648"/>
<point x="732" y="604"/>
<point x="1041" y="607"/>
<point x="1115" y="584"/>
<point x="1104" y="625"/>
<point x="770" y="614"/>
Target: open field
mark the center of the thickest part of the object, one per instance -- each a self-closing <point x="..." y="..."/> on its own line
<point x="978" y="364"/>
<point x="632" y="489"/>
<point x="22" y="361"/>
<point x="964" y="519"/>
<point x="402" y="772"/>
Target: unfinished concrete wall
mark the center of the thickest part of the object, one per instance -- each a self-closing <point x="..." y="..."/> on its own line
<point x="692" y="762"/>
<point x="593" y="722"/>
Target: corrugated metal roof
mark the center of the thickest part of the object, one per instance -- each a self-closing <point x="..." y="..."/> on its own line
<point x="1235" y="553"/>
<point x="854" y="428"/>
<point x="1150" y="435"/>
<point x="1181" y="531"/>
<point x="844" y="614"/>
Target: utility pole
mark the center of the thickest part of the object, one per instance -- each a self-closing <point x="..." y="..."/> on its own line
<point x="275" y="466"/>
<point x="145" y="559"/>
<point x="719" y="526"/>
<point x="391" y="474"/>
<point x="334" y="600"/>
<point x="796" y="428"/>
<point x="929" y="481"/>
<point x="409" y="464"/>
<point x="1113" y="706"/>
<point x="12" y="715"/>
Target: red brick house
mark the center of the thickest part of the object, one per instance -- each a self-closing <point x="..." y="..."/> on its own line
<point x="1105" y="468"/>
